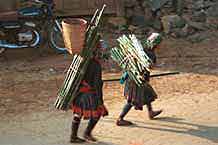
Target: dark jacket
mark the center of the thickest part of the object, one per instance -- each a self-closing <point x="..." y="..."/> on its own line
<point x="93" y="78"/>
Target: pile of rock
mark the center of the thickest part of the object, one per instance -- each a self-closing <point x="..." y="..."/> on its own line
<point x="177" y="18"/>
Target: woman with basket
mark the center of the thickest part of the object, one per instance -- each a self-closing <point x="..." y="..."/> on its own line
<point x="139" y="96"/>
<point x="88" y="102"/>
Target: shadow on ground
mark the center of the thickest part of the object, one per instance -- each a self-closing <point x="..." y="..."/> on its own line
<point x="177" y="125"/>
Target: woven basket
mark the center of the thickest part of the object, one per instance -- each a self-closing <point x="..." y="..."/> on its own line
<point x="74" y="34"/>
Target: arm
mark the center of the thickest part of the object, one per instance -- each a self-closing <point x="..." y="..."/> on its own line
<point x="124" y="77"/>
<point x="146" y="76"/>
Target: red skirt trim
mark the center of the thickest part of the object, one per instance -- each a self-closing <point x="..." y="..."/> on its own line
<point x="100" y="111"/>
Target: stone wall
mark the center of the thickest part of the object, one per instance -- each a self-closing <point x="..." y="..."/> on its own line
<point x="176" y="17"/>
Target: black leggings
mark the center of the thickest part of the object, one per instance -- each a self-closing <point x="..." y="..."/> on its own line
<point x="125" y="110"/>
<point x="128" y="106"/>
<point x="91" y="124"/>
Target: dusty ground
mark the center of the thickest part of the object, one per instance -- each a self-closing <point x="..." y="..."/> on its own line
<point x="29" y="84"/>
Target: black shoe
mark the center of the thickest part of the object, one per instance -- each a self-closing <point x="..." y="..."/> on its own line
<point x="77" y="140"/>
<point x="90" y="138"/>
<point x="153" y="114"/>
<point x="121" y="122"/>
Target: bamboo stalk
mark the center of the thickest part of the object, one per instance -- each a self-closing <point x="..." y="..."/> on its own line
<point x="62" y="95"/>
<point x="69" y="74"/>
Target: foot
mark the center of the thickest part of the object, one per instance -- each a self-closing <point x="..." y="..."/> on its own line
<point x="90" y="138"/>
<point x="153" y="114"/>
<point x="122" y="122"/>
<point x="77" y="140"/>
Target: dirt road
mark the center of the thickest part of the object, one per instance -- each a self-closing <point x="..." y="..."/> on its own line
<point x="28" y="89"/>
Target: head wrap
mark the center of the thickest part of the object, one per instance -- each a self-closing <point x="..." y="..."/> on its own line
<point x="153" y="40"/>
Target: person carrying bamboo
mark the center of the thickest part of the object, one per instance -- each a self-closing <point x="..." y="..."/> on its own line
<point x="144" y="95"/>
<point x="89" y="103"/>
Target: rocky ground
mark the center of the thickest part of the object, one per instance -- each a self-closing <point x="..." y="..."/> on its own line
<point x="29" y="84"/>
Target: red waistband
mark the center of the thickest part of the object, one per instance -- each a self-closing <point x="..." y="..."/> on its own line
<point x="86" y="88"/>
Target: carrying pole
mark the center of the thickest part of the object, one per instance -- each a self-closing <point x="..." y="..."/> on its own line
<point x="151" y="76"/>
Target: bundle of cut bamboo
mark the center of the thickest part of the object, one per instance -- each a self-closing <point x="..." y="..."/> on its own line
<point x="131" y="57"/>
